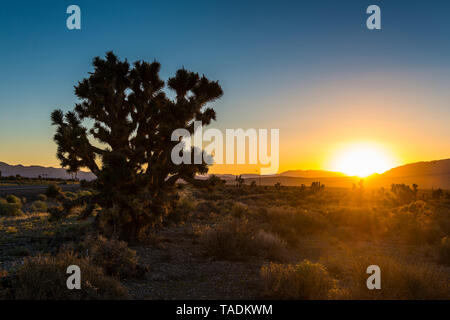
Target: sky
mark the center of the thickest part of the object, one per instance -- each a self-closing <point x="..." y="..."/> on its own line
<point x="311" y="69"/>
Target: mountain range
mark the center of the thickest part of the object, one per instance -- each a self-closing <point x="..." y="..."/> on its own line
<point x="36" y="171"/>
<point x="428" y="175"/>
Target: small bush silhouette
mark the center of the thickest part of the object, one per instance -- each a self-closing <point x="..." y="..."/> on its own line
<point x="230" y="240"/>
<point x="39" y="206"/>
<point x="270" y="246"/>
<point x="113" y="256"/>
<point x="304" y="281"/>
<point x="44" y="278"/>
<point x="400" y="279"/>
<point x="239" y="181"/>
<point x="182" y="209"/>
<point x="437" y="194"/>
<point x="53" y="191"/>
<point x="42" y="197"/>
<point x="239" y="210"/>
<point x="444" y="251"/>
<point x="13" y="199"/>
<point x="404" y="193"/>
<point x="415" y="223"/>
<point x="237" y="239"/>
<point x="70" y="195"/>
<point x="11" y="207"/>
<point x="316" y="187"/>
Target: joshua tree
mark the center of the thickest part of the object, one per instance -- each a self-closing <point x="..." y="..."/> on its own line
<point x="128" y="147"/>
<point x="239" y="181"/>
<point x="415" y="189"/>
<point x="316" y="187"/>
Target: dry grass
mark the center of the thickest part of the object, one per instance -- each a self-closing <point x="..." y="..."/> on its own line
<point x="44" y="278"/>
<point x="401" y="278"/>
<point x="113" y="256"/>
<point x="304" y="281"/>
<point x="10" y="207"/>
<point x="444" y="251"/>
<point x="339" y="233"/>
<point x="238" y="239"/>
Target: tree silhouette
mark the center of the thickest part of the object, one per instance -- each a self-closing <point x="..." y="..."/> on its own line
<point x="316" y="187"/>
<point x="239" y="181"/>
<point x="128" y="145"/>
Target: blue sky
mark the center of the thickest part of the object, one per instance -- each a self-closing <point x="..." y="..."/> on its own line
<point x="269" y="57"/>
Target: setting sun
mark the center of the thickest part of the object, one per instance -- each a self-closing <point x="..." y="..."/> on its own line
<point x="363" y="160"/>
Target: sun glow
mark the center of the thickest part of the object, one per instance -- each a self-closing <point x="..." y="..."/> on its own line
<point x="362" y="160"/>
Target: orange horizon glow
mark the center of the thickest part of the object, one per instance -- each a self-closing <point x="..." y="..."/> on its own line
<point x="353" y="158"/>
<point x="318" y="131"/>
<point x="255" y="169"/>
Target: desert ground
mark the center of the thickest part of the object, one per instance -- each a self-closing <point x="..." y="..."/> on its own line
<point x="241" y="241"/>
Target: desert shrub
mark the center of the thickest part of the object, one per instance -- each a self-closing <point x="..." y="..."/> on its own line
<point x="70" y="195"/>
<point x="53" y="191"/>
<point x="304" y="281"/>
<point x="404" y="193"/>
<point x="437" y="194"/>
<point x="10" y="209"/>
<point x="444" y="251"/>
<point x="205" y="208"/>
<point x="441" y="213"/>
<point x="400" y="279"/>
<point x="415" y="223"/>
<point x="229" y="240"/>
<point x="39" y="206"/>
<point x="181" y="210"/>
<point x="363" y="222"/>
<point x="12" y="229"/>
<point x="239" y="210"/>
<point x="237" y="239"/>
<point x="42" y="197"/>
<point x="13" y="199"/>
<point x="292" y="223"/>
<point x="112" y="255"/>
<point x="84" y="193"/>
<point x="44" y="278"/>
<point x="86" y="184"/>
<point x="270" y="246"/>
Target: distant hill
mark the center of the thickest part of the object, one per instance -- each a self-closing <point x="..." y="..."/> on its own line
<point x="437" y="167"/>
<point x="428" y="175"/>
<point x="36" y="171"/>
